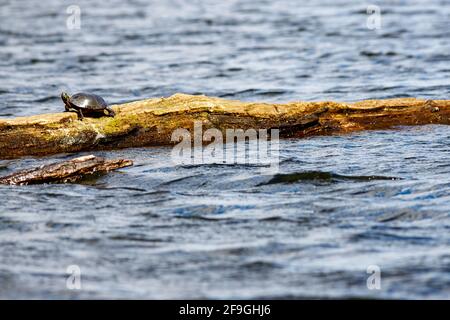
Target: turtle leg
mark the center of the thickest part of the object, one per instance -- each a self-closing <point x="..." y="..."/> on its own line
<point x="77" y="111"/>
<point x="80" y="114"/>
<point x="111" y="112"/>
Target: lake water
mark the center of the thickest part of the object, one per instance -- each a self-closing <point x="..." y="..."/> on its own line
<point x="339" y="206"/>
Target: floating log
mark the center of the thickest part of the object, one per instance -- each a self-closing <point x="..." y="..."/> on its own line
<point x="151" y="122"/>
<point x="65" y="171"/>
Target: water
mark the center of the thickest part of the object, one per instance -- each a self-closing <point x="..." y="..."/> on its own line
<point x="159" y="230"/>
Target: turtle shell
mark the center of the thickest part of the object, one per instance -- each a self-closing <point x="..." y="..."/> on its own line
<point x="88" y="101"/>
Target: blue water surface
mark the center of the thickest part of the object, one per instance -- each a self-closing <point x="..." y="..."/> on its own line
<point x="338" y="206"/>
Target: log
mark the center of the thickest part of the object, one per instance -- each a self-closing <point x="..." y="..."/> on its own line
<point x="65" y="171"/>
<point x="151" y="122"/>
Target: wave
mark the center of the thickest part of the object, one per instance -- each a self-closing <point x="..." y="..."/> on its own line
<point x="321" y="176"/>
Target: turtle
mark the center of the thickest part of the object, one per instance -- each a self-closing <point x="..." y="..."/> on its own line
<point x="86" y="104"/>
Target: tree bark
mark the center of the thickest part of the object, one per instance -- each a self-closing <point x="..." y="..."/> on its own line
<point x="65" y="171"/>
<point x="151" y="122"/>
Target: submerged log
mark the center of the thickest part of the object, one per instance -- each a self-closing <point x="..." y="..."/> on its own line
<point x="65" y="171"/>
<point x="151" y="122"/>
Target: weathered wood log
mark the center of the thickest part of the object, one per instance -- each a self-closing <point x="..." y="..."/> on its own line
<point x="65" y="171"/>
<point x="152" y="121"/>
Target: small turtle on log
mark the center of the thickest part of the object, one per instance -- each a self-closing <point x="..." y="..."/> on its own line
<point x="86" y="104"/>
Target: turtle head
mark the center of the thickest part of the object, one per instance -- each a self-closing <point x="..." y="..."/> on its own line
<point x="65" y="97"/>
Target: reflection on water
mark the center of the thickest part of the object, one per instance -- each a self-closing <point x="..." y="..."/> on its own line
<point x="161" y="230"/>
